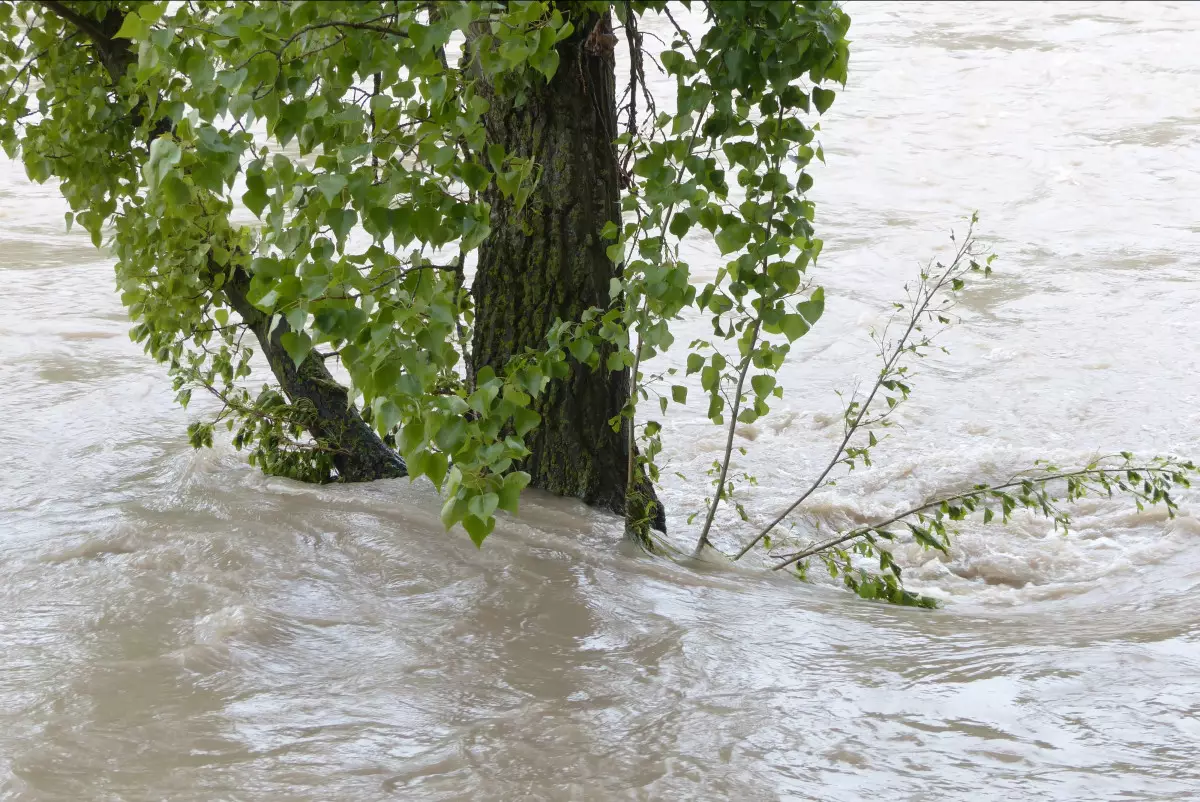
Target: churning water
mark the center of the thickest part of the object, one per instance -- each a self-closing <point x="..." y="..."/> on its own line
<point x="173" y="625"/>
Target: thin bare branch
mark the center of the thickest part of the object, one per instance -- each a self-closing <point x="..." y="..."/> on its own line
<point x="901" y="347"/>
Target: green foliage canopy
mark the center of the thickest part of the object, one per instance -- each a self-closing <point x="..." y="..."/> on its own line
<point x="353" y="135"/>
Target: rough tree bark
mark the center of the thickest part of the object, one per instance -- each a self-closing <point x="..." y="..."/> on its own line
<point x="548" y="261"/>
<point x="360" y="454"/>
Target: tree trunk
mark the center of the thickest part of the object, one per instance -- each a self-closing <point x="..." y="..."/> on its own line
<point x="548" y="262"/>
<point x="361" y="456"/>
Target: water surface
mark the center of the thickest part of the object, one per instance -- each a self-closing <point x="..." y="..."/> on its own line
<point x="177" y="626"/>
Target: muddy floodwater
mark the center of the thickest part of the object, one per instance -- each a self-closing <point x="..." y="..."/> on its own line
<point x="174" y="625"/>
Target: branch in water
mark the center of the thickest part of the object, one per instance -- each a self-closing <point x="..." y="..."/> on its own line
<point x="735" y="405"/>
<point x="1149" y="484"/>
<point x="857" y="415"/>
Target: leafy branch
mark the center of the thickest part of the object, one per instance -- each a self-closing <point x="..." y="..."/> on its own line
<point x="735" y="404"/>
<point x="930" y="300"/>
<point x="1042" y="491"/>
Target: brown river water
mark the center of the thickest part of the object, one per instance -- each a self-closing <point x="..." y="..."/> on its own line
<point x="174" y="625"/>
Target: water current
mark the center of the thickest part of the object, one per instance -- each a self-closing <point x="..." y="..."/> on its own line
<point x="174" y="625"/>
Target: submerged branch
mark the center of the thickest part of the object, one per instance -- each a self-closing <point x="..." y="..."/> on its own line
<point x="1148" y="484"/>
<point x="857" y="414"/>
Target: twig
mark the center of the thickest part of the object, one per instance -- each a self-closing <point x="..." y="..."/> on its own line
<point x="367" y="25"/>
<point x="85" y="24"/>
<point x="665" y="226"/>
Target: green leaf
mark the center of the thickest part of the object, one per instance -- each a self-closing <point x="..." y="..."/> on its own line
<point x="581" y="349"/>
<point x="546" y="64"/>
<point x="341" y="221"/>
<point x="733" y="237"/>
<point x="38" y="169"/>
<point x="417" y="463"/>
<point x="814" y="307"/>
<point x="474" y="233"/>
<point x="484" y="505"/>
<point x="133" y="27"/>
<point x="510" y="491"/>
<point x="151" y="12"/>
<point x="794" y="327"/>
<point x="435" y="468"/>
<point x="679" y="394"/>
<point x="412" y="436"/>
<point x="672" y="61"/>
<point x="822" y="98"/>
<point x="763" y="385"/>
<point x="481" y="400"/>
<point x="478" y="529"/>
<point x="297" y="344"/>
<point x="508" y="182"/>
<point x="474" y="175"/>
<point x="715" y="406"/>
<point x="525" y="420"/>
<point x="331" y="185"/>
<point x="255" y="200"/>
<point x="164" y="154"/>
<point x="694" y="363"/>
<point x="453" y="511"/>
<point x="296" y="318"/>
<point x="680" y="224"/>
<point x="514" y="51"/>
<point x="616" y="252"/>
<point x="176" y="191"/>
<point x="451" y="435"/>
